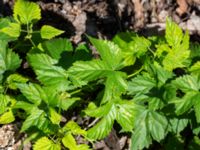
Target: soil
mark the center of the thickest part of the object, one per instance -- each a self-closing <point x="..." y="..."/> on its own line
<point x="103" y="19"/>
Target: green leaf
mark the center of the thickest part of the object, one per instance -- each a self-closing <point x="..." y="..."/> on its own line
<point x="36" y="118"/>
<point x="49" y="32"/>
<point x="141" y="137"/>
<point x="177" y="125"/>
<point x="173" y="33"/>
<point x="177" y="56"/>
<point x="13" y="30"/>
<point x="57" y="47"/>
<point x="197" y="108"/>
<point x="186" y="102"/>
<point x="45" y="144"/>
<point x="161" y="74"/>
<point x="149" y="125"/>
<point x="4" y="100"/>
<point x="4" y="22"/>
<point x="8" y="59"/>
<point x="104" y="126"/>
<point x="132" y="46"/>
<point x="86" y="71"/>
<point x="7" y="117"/>
<point x="139" y="46"/>
<point x="54" y="116"/>
<point x="155" y="103"/>
<point x="26" y="12"/>
<point x="175" y="59"/>
<point x="141" y="84"/>
<point x="95" y="111"/>
<point x="124" y="112"/>
<point x="161" y="48"/>
<point x="33" y="92"/>
<point x="89" y="70"/>
<point x="195" y="68"/>
<point x="157" y="125"/>
<point x="126" y="115"/>
<point x="69" y="142"/>
<point x="122" y="38"/>
<point x="25" y="106"/>
<point x="74" y="128"/>
<point x="83" y="147"/>
<point x="195" y="50"/>
<point x="115" y="85"/>
<point x="65" y="103"/>
<point x="187" y="83"/>
<point x="15" y="79"/>
<point x="47" y="71"/>
<point x="110" y="53"/>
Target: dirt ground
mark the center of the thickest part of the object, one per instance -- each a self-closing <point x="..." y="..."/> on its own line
<point x="103" y="19"/>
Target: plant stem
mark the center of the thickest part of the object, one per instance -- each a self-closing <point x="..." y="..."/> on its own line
<point x="135" y="73"/>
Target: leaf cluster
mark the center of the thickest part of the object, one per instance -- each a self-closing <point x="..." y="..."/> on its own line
<point x="149" y="86"/>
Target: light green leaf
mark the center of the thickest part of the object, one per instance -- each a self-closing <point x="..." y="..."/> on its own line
<point x="15" y="79"/>
<point x="187" y="83"/>
<point x="69" y="142"/>
<point x="98" y="112"/>
<point x="4" y="22"/>
<point x="47" y="71"/>
<point x="66" y="103"/>
<point x="104" y="126"/>
<point x="13" y="30"/>
<point x="161" y="48"/>
<point x="26" y="12"/>
<point x="176" y="59"/>
<point x="177" y="56"/>
<point x="33" y="92"/>
<point x="110" y="53"/>
<point x="57" y="47"/>
<point x="83" y="147"/>
<point x="195" y="68"/>
<point x="4" y="100"/>
<point x="52" y="97"/>
<point x="54" y="116"/>
<point x="173" y="33"/>
<point x="74" y="128"/>
<point x="139" y="46"/>
<point x="45" y="144"/>
<point x="49" y="32"/>
<point x="7" y="117"/>
<point x="12" y="60"/>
